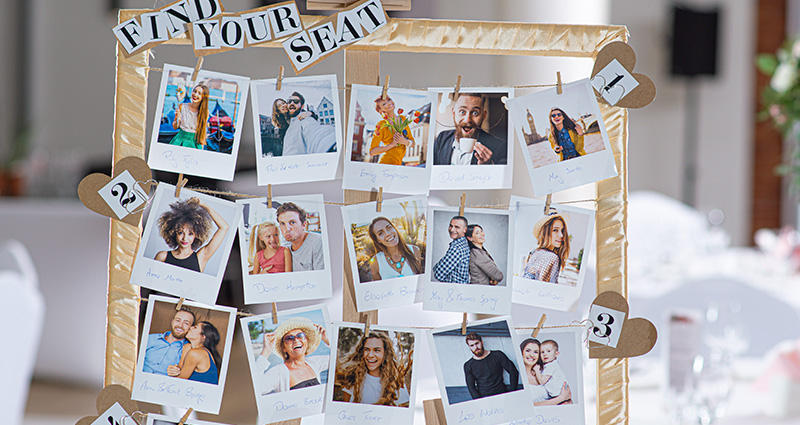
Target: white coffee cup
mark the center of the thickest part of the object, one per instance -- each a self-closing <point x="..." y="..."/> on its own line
<point x="466" y="144"/>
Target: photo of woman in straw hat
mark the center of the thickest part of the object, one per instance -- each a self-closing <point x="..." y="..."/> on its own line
<point x="296" y="341"/>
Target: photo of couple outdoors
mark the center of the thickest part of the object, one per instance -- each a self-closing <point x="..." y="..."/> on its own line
<point x="187" y="343"/>
<point x="286" y="238"/>
<point x="299" y="119"/>
<point x="390" y="130"/>
<point x="289" y="355"/>
<point x="480" y="364"/>
<point x="200" y="115"/>
<point x="391" y="243"/>
<point x="470" y="253"/>
<point x="373" y="368"/>
<point x="555" y="252"/>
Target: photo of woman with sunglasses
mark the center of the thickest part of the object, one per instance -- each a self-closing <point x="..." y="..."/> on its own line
<point x="294" y="341"/>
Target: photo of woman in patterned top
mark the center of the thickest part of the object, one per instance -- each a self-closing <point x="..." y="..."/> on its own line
<point x="566" y="137"/>
<point x="550" y="257"/>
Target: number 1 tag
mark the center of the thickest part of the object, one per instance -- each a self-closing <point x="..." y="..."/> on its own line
<point x="614" y="82"/>
<point x="123" y="194"/>
<point x="606" y="325"/>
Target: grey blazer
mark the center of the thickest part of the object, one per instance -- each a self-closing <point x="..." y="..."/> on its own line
<point x="482" y="267"/>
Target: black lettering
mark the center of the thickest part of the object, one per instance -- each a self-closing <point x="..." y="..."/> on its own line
<point x="206" y="33"/>
<point x="183" y="18"/>
<point x="376" y="22"/>
<point x="346" y="28"/>
<point x="289" y="18"/>
<point x="253" y="30"/>
<point x="154" y="27"/>
<point x="129" y="35"/>
<point x="322" y="34"/>
<point x="198" y="5"/>
<point x="301" y="48"/>
<point x="224" y="33"/>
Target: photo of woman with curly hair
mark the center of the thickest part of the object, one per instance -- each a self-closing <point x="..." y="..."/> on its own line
<point x="185" y="228"/>
<point x="372" y="368"/>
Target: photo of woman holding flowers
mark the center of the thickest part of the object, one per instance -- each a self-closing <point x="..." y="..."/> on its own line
<point x="392" y="135"/>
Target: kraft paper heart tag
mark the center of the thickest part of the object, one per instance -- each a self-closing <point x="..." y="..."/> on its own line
<point x="614" y="80"/>
<point x="121" y="196"/>
<point x="613" y="334"/>
<point x="114" y="406"/>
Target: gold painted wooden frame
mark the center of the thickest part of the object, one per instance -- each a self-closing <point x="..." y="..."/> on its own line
<point x="401" y="35"/>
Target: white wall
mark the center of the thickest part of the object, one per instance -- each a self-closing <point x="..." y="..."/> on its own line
<point x="726" y="113"/>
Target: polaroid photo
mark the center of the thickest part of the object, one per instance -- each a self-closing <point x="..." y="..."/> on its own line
<point x="563" y="138"/>
<point x="186" y="244"/>
<point x="549" y="251"/>
<point x="467" y="261"/>
<point x="156" y="419"/>
<point x="284" y="249"/>
<point x="473" y="146"/>
<point x="387" y="140"/>
<point x="553" y="366"/>
<point x="298" y="129"/>
<point x="387" y="251"/>
<point x="198" y="124"/>
<point x="288" y="361"/>
<point x="373" y="378"/>
<point x="183" y="359"/>
<point x="479" y="373"/>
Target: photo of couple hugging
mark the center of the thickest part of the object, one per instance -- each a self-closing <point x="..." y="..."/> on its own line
<point x="190" y="348"/>
<point x="301" y="250"/>
<point x="299" y="119"/>
<point x="467" y="260"/>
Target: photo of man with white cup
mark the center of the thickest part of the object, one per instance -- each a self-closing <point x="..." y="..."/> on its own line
<point x="469" y="143"/>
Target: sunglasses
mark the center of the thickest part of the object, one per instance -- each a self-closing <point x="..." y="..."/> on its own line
<point x="556" y="115"/>
<point x="295" y="101"/>
<point x="291" y="338"/>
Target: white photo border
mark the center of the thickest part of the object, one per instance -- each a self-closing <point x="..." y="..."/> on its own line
<point x="172" y="391"/>
<point x="179" y="159"/>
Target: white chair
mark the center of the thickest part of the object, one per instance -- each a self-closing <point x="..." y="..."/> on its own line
<point x="22" y="317"/>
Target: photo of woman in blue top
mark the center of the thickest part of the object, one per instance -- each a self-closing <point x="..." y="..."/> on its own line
<point x="200" y="358"/>
<point x="566" y="137"/>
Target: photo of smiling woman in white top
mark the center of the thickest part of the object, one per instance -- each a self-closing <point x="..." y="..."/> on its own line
<point x="371" y="373"/>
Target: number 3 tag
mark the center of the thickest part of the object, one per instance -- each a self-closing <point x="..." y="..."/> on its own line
<point x="606" y="325"/>
<point x="123" y="194"/>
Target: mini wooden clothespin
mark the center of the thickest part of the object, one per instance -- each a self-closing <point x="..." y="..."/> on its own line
<point x="274" y="313"/>
<point x="385" y="88"/>
<point x="539" y="326"/>
<point x="558" y="83"/>
<point x="180" y="304"/>
<point x="197" y="68"/>
<point x="269" y="196"/>
<point x="464" y="324"/>
<point x="457" y="88"/>
<point x="280" y="78"/>
<point x="180" y="184"/>
<point x="380" y="199"/>
<point x="186" y="416"/>
<point x="366" y="324"/>
<point x="461" y="204"/>
<point x="547" y="203"/>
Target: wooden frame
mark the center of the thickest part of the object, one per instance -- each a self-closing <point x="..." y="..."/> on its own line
<point x="362" y="66"/>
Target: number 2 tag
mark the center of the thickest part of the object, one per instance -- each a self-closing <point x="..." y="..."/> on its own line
<point x="606" y="325"/>
<point x="123" y="194"/>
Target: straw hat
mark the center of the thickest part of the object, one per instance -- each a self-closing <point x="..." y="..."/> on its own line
<point x="302" y="323"/>
<point x="547" y="218"/>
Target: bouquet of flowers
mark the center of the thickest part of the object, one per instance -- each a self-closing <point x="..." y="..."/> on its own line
<point x="781" y="99"/>
<point x="399" y="122"/>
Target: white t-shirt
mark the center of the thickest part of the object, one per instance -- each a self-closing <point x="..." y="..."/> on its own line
<point x="276" y="378"/>
<point x="557" y="378"/>
<point x="371" y="391"/>
<point x="188" y="119"/>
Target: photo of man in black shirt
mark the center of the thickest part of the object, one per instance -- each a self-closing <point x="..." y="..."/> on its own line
<point x="484" y="371"/>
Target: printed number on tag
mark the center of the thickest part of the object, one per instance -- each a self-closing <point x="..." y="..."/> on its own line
<point x="123" y="194"/>
<point x="606" y="325"/>
<point x="614" y="82"/>
<point x="115" y="415"/>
